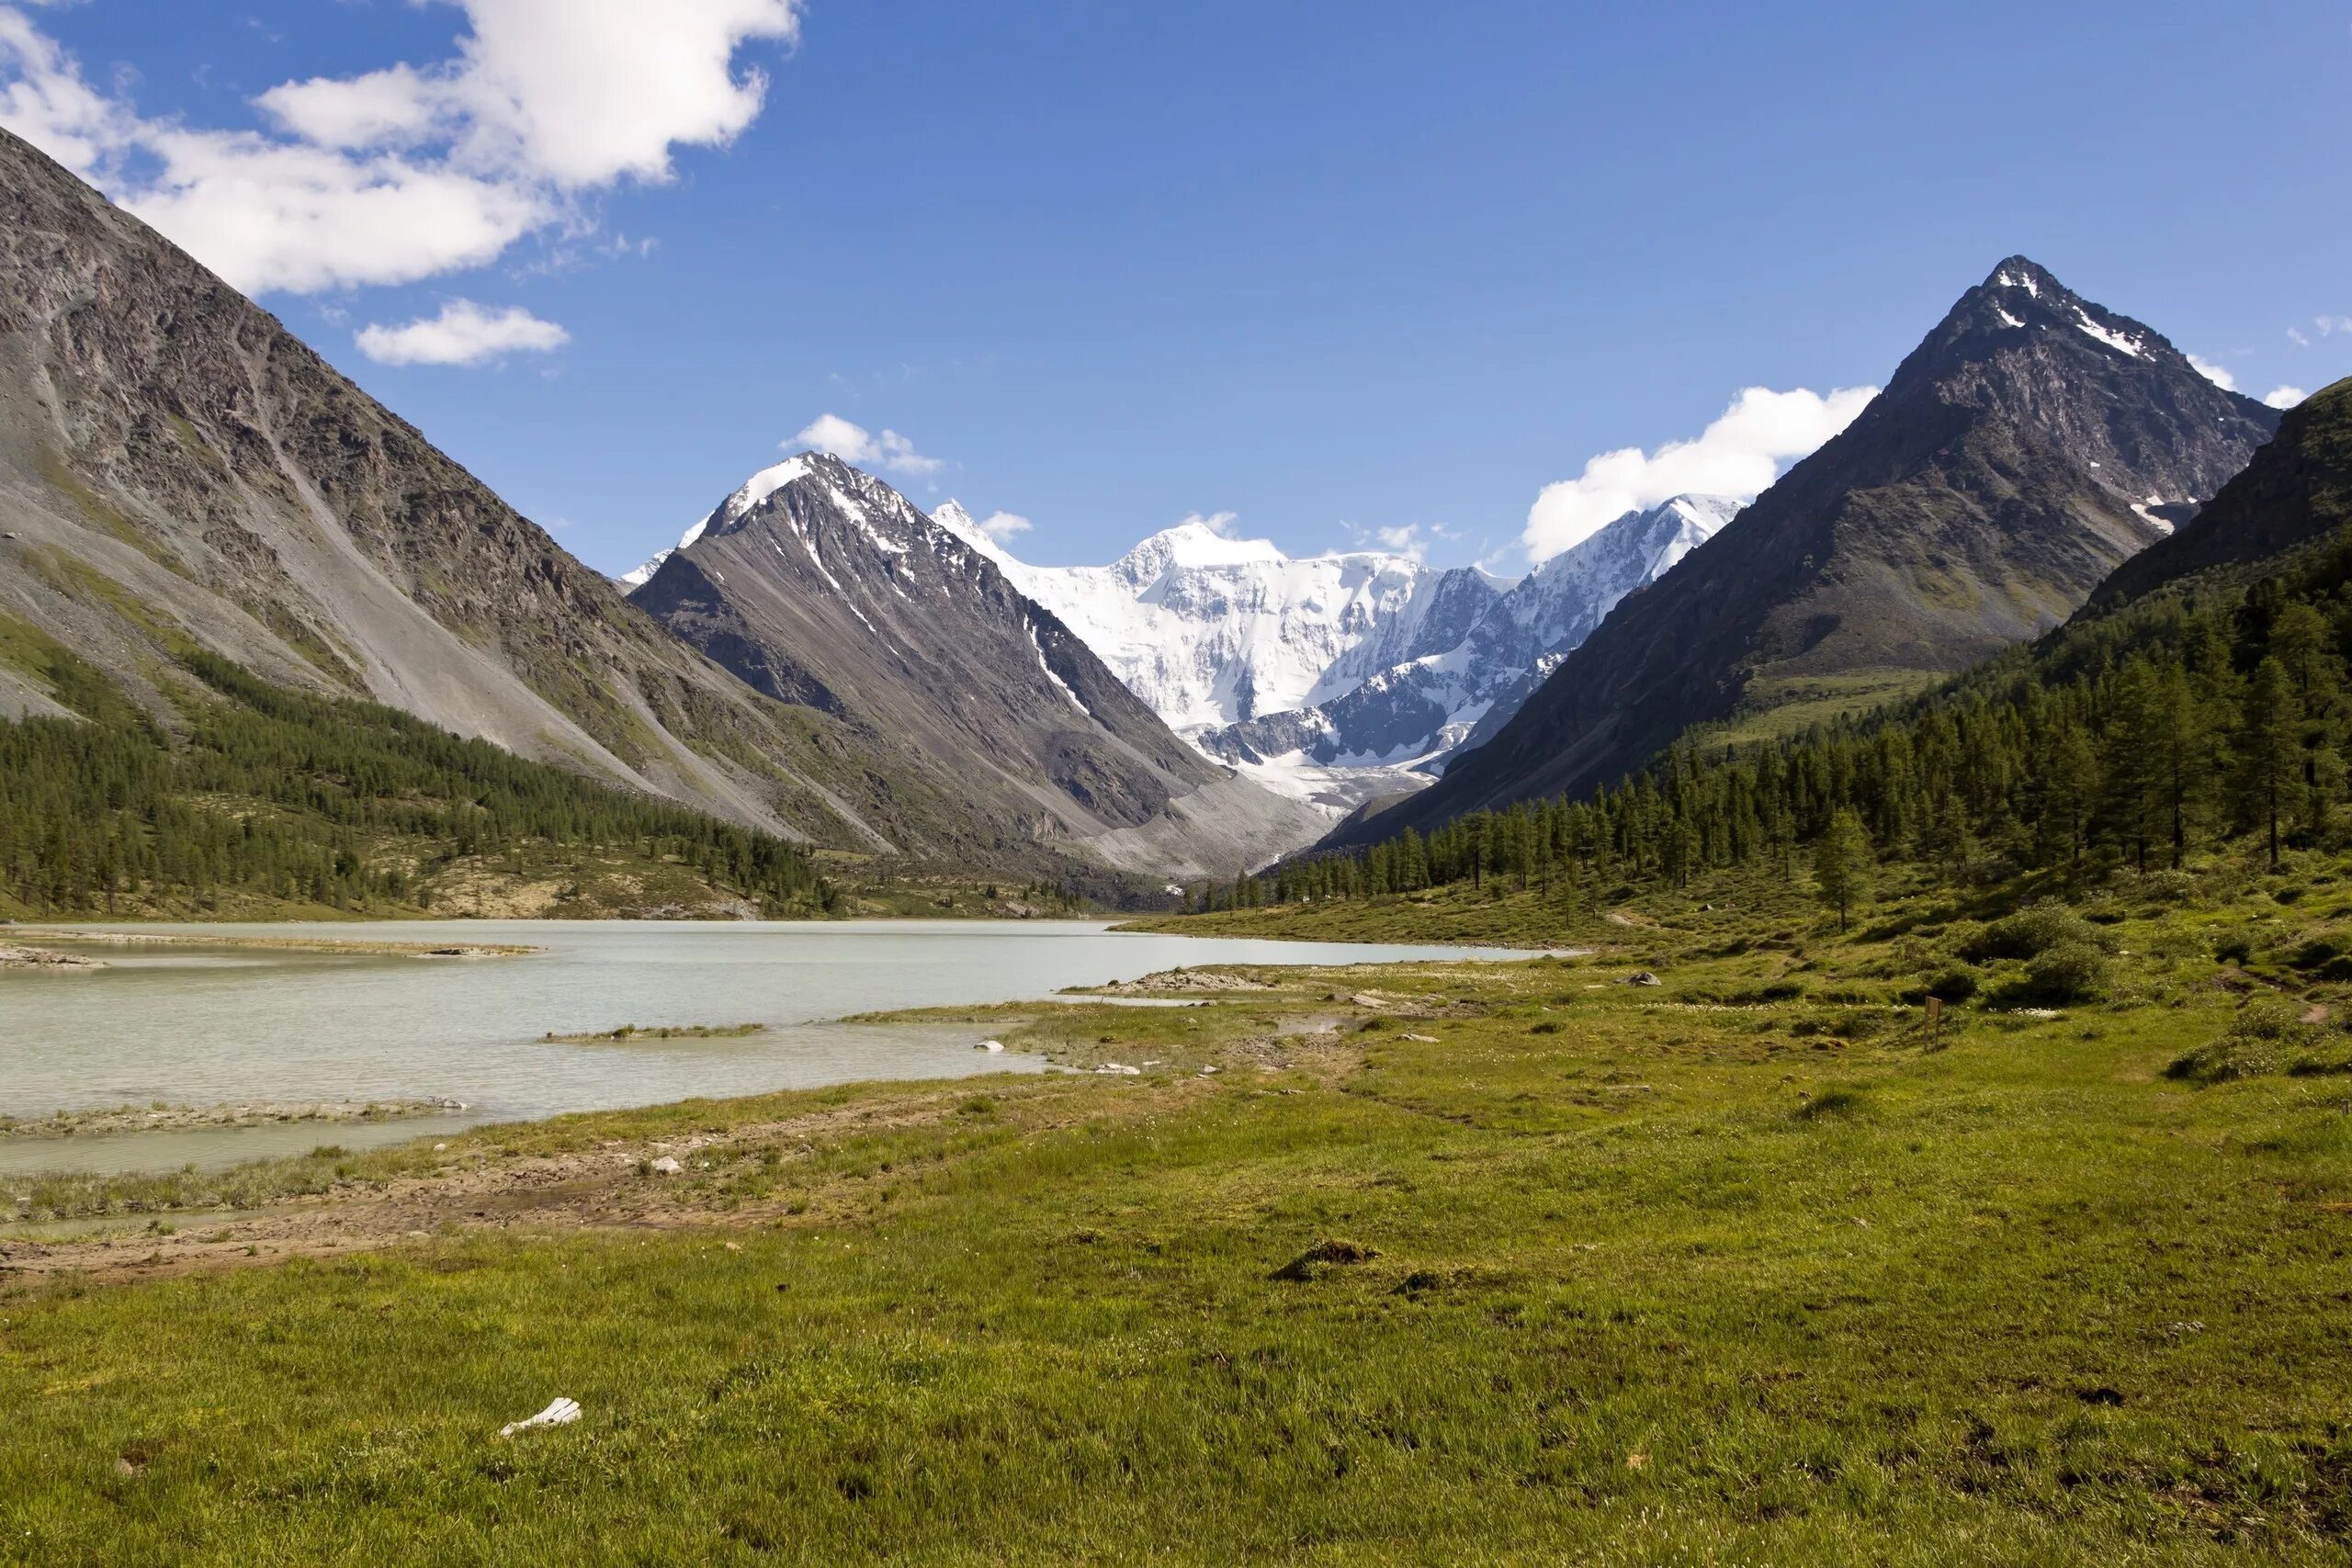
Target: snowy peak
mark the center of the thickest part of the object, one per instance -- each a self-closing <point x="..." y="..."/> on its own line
<point x="1193" y="544"/>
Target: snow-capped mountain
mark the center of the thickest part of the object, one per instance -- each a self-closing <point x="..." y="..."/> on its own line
<point x="1211" y="630"/>
<point x="1337" y="678"/>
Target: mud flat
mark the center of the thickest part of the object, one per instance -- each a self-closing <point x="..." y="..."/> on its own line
<point x="272" y="944"/>
<point x="111" y="1120"/>
<point x="46" y="961"/>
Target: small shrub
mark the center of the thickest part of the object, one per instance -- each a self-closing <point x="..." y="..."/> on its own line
<point x="1860" y="1024"/>
<point x="1953" y="982"/>
<point x="2235" y="945"/>
<point x="2261" y="1039"/>
<point x="2034" y="930"/>
<point x="2168" y="886"/>
<point x="2068" y="972"/>
<point x="1836" y="1101"/>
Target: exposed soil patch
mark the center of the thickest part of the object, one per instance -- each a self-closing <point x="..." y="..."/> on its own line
<point x="282" y="943"/>
<point x="611" y="1185"/>
<point x="254" y="1113"/>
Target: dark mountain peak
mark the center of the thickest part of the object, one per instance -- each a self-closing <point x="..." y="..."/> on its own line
<point x="2031" y="443"/>
<point x="2021" y="308"/>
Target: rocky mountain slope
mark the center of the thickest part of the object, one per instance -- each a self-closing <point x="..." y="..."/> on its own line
<point x="178" y="473"/>
<point x="2032" y="443"/>
<point x="821" y="586"/>
<point x="2296" y="490"/>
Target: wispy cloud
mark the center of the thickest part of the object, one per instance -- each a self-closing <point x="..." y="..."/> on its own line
<point x="463" y="333"/>
<point x="412" y="171"/>
<point x="1740" y="455"/>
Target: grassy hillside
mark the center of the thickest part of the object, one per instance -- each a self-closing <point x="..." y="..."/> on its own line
<point x="1443" y="1263"/>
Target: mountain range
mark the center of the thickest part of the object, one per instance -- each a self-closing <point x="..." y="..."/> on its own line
<point x="824" y="588"/>
<point x="2030" y="444"/>
<point x="1341" y="678"/>
<point x="181" y="475"/>
<point x="182" y="480"/>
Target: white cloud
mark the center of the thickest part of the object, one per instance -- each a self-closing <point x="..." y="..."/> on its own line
<point x="463" y="333"/>
<point x="2295" y="336"/>
<point x="2330" y="325"/>
<point x="1740" y="455"/>
<point x="2215" y="373"/>
<point x="860" y="447"/>
<point x="1002" y="525"/>
<point x="2284" y="397"/>
<point x="1410" y="539"/>
<point x="1219" y="523"/>
<point x="411" y="171"/>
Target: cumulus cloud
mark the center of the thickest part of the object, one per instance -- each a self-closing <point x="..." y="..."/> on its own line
<point x="1219" y="523"/>
<point x="860" y="447"/>
<point x="1002" y="525"/>
<point x="412" y="171"/>
<point x="1740" y="455"/>
<point x="463" y="333"/>
<point x="2215" y="373"/>
<point x="2284" y="397"/>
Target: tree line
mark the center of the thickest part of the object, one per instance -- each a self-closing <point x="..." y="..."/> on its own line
<point x="2210" y="711"/>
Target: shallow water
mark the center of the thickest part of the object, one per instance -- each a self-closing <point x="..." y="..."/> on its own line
<point x="198" y="1026"/>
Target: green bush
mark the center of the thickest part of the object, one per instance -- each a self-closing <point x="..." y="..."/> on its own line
<point x="2168" y="886"/>
<point x="2068" y="972"/>
<point x="2034" y="930"/>
<point x="2236" y="944"/>
<point x="1953" y="982"/>
<point x="2259" y="1040"/>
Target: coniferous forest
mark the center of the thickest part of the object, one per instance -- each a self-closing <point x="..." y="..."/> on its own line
<point x="2208" y="711"/>
<point x="277" y="796"/>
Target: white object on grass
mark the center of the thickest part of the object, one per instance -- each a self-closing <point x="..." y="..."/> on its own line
<point x="666" y="1165"/>
<point x="563" y="1412"/>
<point x="990" y="1046"/>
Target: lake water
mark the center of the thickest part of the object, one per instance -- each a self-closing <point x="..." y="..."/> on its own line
<point x="207" y="1025"/>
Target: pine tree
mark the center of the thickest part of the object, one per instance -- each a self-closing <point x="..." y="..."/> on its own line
<point x="1841" y="865"/>
<point x="2269" y="749"/>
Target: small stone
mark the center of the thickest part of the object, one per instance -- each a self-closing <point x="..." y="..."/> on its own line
<point x="990" y="1046"/>
<point x="666" y="1165"/>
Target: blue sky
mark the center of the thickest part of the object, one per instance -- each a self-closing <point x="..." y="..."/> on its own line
<point x="1340" y="271"/>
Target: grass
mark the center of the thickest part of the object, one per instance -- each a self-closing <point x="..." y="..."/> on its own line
<point x="1445" y="1263"/>
<point x="1774" y="708"/>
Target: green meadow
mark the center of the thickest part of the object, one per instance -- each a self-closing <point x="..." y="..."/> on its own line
<point x="1441" y="1263"/>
